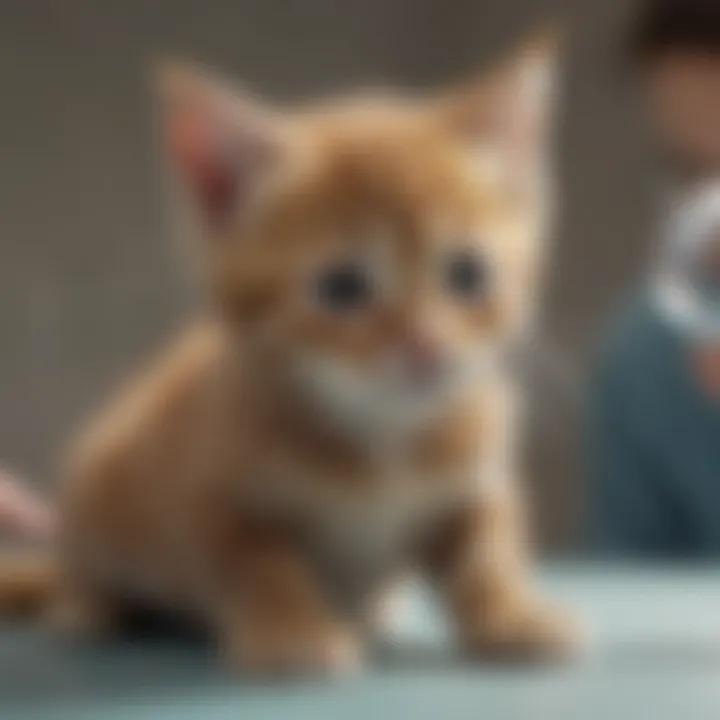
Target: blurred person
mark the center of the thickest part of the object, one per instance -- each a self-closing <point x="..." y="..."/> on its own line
<point x="656" y="430"/>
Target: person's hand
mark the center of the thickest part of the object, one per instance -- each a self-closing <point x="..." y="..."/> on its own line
<point x="22" y="513"/>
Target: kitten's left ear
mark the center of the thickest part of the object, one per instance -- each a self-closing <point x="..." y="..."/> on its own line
<point x="505" y="115"/>
<point x="221" y="141"/>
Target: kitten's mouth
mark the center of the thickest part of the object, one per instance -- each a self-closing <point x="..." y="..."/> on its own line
<point x="404" y="391"/>
<point x="423" y="370"/>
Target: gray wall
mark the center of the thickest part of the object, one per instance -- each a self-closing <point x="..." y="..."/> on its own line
<point x="89" y="280"/>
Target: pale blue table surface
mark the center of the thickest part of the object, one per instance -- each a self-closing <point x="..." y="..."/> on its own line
<point x="654" y="652"/>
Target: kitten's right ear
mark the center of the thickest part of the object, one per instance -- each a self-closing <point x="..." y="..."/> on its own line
<point x="221" y="142"/>
<point x="506" y="112"/>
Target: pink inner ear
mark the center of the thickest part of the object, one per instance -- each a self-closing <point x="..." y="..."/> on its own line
<point x="208" y="162"/>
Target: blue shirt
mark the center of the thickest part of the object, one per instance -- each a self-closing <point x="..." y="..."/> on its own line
<point x="655" y="446"/>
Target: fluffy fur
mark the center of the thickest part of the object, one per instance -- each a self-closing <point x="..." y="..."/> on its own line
<point x="278" y="467"/>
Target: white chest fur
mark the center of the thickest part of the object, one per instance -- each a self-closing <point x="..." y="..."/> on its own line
<point x="362" y="534"/>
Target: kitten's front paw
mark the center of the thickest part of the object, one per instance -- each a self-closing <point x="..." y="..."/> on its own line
<point x="272" y="646"/>
<point x="78" y="616"/>
<point x="537" y="633"/>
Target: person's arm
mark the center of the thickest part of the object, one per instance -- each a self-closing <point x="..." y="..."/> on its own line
<point x="628" y="505"/>
<point x="22" y="513"/>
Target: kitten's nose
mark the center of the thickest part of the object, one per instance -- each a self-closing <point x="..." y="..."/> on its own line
<point x="422" y="357"/>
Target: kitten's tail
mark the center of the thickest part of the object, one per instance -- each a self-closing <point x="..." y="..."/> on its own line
<point x="26" y="582"/>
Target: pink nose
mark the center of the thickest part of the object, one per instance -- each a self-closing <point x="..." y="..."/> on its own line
<point x="423" y="358"/>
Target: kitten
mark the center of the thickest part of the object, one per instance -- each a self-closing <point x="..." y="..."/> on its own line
<point x="340" y="412"/>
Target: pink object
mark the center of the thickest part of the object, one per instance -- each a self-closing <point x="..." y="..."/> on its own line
<point x="22" y="513"/>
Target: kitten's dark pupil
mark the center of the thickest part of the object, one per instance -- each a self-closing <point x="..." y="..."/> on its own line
<point x="345" y="287"/>
<point x="467" y="275"/>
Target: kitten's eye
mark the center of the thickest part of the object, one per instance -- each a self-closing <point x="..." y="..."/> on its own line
<point x="343" y="287"/>
<point x="467" y="275"/>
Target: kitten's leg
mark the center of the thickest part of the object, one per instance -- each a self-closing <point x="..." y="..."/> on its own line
<point x="481" y="569"/>
<point x="272" y="614"/>
<point x="81" y="610"/>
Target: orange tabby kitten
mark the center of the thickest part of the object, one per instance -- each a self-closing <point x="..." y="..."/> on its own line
<point x="341" y="414"/>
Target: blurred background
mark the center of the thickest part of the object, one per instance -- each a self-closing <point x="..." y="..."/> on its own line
<point x="91" y="281"/>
